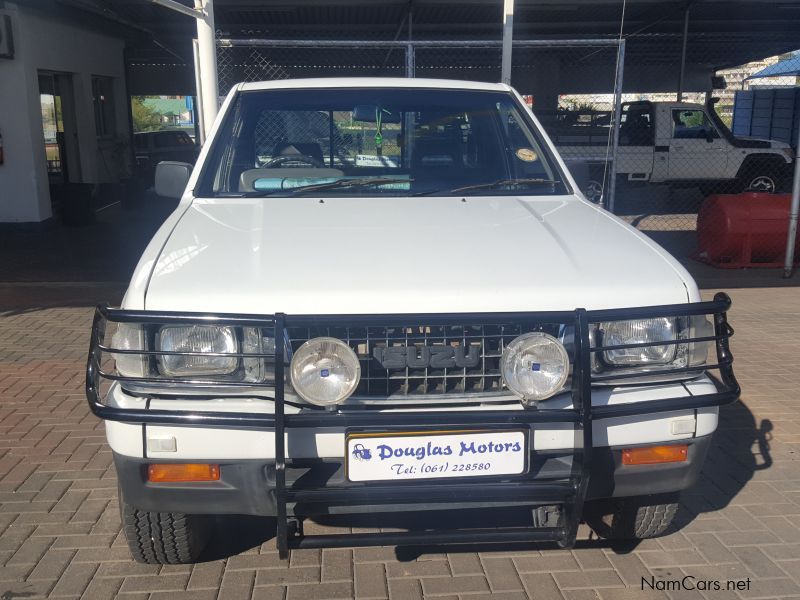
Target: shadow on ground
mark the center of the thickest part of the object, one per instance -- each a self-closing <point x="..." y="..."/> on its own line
<point x="21" y="298"/>
<point x="106" y="250"/>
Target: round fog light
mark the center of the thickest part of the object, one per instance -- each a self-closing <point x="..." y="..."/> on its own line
<point x="534" y="366"/>
<point x="325" y="371"/>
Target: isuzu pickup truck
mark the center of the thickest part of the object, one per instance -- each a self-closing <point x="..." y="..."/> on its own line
<point x="450" y="325"/>
<point x="676" y="143"/>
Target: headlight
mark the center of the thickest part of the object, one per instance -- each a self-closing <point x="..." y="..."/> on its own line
<point x="643" y="359"/>
<point x="534" y="366"/>
<point x="325" y="371"/>
<point x="620" y="333"/>
<point x="197" y="339"/>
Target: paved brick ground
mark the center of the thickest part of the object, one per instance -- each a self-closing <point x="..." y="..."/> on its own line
<point x="60" y="532"/>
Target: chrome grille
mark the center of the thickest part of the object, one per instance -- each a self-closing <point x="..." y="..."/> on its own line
<point x="408" y="382"/>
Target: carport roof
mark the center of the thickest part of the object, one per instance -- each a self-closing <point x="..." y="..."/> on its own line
<point x="722" y="34"/>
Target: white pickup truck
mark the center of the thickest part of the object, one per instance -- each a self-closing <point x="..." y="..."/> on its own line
<point x="451" y="326"/>
<point x="675" y="143"/>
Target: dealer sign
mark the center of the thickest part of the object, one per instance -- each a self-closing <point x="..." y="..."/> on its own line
<point x="429" y="455"/>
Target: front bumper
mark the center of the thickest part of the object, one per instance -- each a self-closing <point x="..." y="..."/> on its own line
<point x="285" y="495"/>
<point x="192" y="443"/>
<point x="249" y="486"/>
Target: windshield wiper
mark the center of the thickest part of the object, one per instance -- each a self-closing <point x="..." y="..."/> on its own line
<point x="339" y="183"/>
<point x="491" y="184"/>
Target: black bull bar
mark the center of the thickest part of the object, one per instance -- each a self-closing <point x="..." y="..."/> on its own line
<point x="569" y="493"/>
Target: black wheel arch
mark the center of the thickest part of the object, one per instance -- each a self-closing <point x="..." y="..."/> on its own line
<point x="761" y="163"/>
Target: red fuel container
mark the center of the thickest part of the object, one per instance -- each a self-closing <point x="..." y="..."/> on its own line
<point x="744" y="230"/>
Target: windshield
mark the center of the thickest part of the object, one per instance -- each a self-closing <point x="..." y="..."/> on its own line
<point x="378" y="141"/>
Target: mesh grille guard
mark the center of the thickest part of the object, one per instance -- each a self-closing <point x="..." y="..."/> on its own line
<point x="435" y="363"/>
<point x="571" y="493"/>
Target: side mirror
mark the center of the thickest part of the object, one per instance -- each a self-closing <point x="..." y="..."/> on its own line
<point x="171" y="178"/>
<point x="709" y="136"/>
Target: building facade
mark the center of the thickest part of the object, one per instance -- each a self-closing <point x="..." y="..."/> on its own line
<point x="64" y="115"/>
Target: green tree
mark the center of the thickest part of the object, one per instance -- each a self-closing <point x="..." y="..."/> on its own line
<point x="144" y="117"/>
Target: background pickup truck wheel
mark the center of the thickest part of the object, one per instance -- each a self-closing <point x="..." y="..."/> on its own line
<point x="593" y="189"/>
<point x="163" y="538"/>
<point x="634" y="518"/>
<point x="765" y="182"/>
<point x="760" y="175"/>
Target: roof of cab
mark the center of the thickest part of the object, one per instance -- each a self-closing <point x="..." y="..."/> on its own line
<point x="373" y="82"/>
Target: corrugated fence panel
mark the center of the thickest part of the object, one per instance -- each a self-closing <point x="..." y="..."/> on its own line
<point x="772" y="113"/>
<point x="742" y="112"/>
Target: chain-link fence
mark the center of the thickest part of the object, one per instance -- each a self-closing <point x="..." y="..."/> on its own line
<point x="667" y="168"/>
<point x="266" y="60"/>
<point x="552" y="75"/>
<point x="708" y="174"/>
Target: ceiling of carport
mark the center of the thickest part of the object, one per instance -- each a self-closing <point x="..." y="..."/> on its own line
<point x="722" y="34"/>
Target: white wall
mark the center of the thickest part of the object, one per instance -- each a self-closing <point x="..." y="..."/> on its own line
<point x="44" y="43"/>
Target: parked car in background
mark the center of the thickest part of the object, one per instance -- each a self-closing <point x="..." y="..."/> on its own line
<point x="152" y="147"/>
<point x="448" y="324"/>
<point x="674" y="143"/>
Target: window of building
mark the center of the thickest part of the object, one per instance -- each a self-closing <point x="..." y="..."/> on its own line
<point x="103" y="98"/>
<point x="692" y="125"/>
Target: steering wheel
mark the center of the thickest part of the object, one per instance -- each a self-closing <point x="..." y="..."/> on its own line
<point x="294" y="158"/>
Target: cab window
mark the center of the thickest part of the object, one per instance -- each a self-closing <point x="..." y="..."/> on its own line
<point x="692" y="125"/>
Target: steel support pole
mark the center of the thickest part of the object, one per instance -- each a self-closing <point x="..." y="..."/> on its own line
<point x="612" y="171"/>
<point x="207" y="55"/>
<point x="508" y="38"/>
<point x="205" y="59"/>
<point x="410" y="50"/>
<point x="791" y="237"/>
<point x="201" y="128"/>
<point x="682" y="73"/>
<point x="409" y="60"/>
<point x="177" y="7"/>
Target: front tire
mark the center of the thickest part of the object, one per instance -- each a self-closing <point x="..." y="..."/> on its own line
<point x="163" y="538"/>
<point x="766" y="183"/>
<point x="759" y="176"/>
<point x="635" y="518"/>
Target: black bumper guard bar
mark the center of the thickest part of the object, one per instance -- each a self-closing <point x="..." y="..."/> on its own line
<point x="569" y="493"/>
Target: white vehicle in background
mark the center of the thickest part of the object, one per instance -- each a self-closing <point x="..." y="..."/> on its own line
<point x="676" y="143"/>
<point x="449" y="326"/>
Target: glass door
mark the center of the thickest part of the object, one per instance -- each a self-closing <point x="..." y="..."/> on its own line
<point x="58" y="125"/>
<point x="53" y="127"/>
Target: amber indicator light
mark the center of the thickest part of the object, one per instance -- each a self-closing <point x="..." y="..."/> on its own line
<point x="651" y="455"/>
<point x="174" y="472"/>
